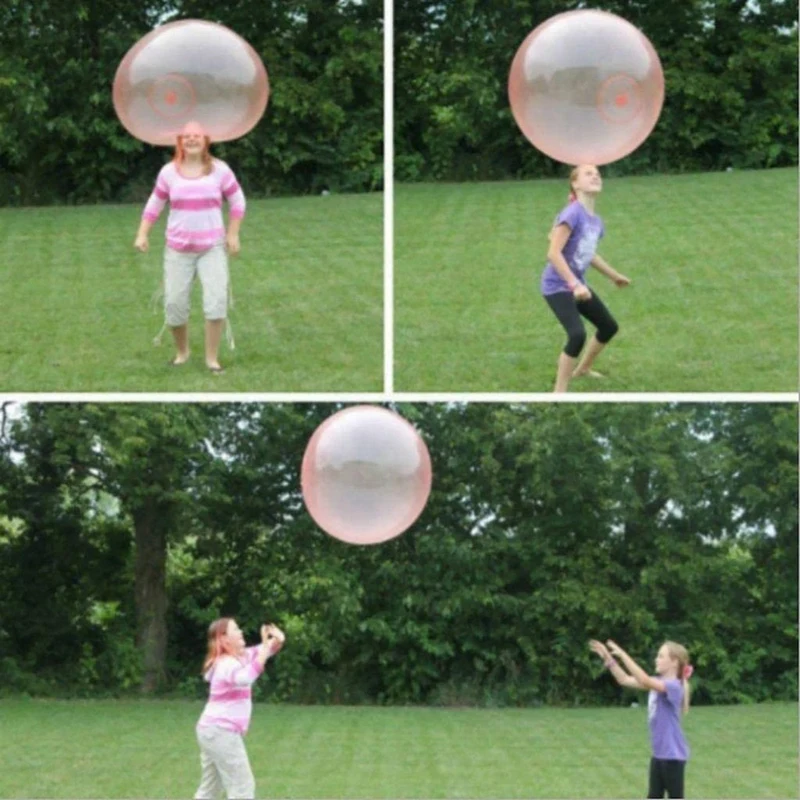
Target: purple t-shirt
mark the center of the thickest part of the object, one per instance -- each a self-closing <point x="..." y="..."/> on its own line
<point x="664" y="716"/>
<point x="585" y="231"/>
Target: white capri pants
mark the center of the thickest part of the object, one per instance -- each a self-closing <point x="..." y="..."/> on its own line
<point x="180" y="268"/>
<point x="225" y="766"/>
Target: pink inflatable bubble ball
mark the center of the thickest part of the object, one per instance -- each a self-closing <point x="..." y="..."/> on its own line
<point x="190" y="70"/>
<point x="366" y="475"/>
<point x="586" y="87"/>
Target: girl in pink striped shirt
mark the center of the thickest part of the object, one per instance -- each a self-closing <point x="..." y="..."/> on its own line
<point x="231" y="669"/>
<point x="195" y="184"/>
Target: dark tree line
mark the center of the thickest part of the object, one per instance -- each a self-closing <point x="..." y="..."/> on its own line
<point x="730" y="69"/>
<point x="60" y="140"/>
<point x="125" y="529"/>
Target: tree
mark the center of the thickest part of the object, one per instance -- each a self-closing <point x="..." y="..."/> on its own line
<point x="546" y="525"/>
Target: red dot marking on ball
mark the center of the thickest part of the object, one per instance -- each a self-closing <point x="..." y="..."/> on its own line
<point x="170" y="98"/>
<point x="621" y="100"/>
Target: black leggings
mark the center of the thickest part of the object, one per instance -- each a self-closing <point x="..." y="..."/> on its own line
<point x="666" y="775"/>
<point x="569" y="312"/>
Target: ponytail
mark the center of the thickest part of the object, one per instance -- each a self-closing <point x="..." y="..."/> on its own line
<point x="573" y="176"/>
<point x="679" y="653"/>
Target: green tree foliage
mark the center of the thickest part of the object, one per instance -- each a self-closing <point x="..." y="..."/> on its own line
<point x="731" y="90"/>
<point x="546" y="525"/>
<point x="60" y="140"/>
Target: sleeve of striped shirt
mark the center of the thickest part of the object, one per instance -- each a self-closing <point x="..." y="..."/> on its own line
<point x="233" y="193"/>
<point x="158" y="199"/>
<point x="234" y="672"/>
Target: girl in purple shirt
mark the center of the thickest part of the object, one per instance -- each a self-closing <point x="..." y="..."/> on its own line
<point x="668" y="701"/>
<point x="573" y="249"/>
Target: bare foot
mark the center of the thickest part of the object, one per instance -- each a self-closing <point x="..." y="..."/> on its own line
<point x="591" y="373"/>
<point x="215" y="367"/>
<point x="179" y="360"/>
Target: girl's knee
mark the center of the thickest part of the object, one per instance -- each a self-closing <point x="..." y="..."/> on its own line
<point x="575" y="342"/>
<point x="607" y="332"/>
<point x="177" y="314"/>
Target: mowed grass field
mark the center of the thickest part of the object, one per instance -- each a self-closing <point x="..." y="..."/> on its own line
<point x="713" y="304"/>
<point x="307" y="288"/>
<point x="147" y="749"/>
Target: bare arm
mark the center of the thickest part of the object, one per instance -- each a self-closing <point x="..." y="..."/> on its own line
<point x="620" y="676"/>
<point x="601" y="265"/>
<point x="234" y="224"/>
<point x="558" y="238"/>
<point x="144" y="227"/>
<point x="644" y="680"/>
<point x="141" y="242"/>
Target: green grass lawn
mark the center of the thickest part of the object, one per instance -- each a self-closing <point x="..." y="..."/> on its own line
<point x="124" y="749"/>
<point x="713" y="305"/>
<point x="308" y="301"/>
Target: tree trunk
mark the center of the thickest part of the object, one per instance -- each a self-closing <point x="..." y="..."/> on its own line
<point x="149" y="521"/>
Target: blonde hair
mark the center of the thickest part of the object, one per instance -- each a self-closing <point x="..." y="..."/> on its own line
<point x="677" y="652"/>
<point x="573" y="176"/>
<point x="216" y="648"/>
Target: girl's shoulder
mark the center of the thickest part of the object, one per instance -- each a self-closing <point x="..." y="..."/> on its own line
<point x="220" y="167"/>
<point x="571" y="213"/>
<point x="168" y="171"/>
<point x="223" y="666"/>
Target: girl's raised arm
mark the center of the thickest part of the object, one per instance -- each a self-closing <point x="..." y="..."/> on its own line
<point x="620" y="676"/>
<point x="645" y="681"/>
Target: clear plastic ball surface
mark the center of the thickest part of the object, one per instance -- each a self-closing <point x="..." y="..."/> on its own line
<point x="366" y="475"/>
<point x="586" y="87"/>
<point x="190" y="71"/>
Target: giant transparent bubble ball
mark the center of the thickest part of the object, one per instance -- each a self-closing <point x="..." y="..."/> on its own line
<point x="190" y="71"/>
<point x="366" y="475"/>
<point x="586" y="87"/>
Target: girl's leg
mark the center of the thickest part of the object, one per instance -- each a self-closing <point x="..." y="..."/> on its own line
<point x="214" y="329"/>
<point x="673" y="774"/>
<point x="179" y="270"/>
<point x="213" y="270"/>
<point x="566" y="366"/>
<point x="592" y="351"/>
<point x="210" y="782"/>
<point x="234" y="767"/>
<point x="566" y="310"/>
<point x="180" y="335"/>
<point x="596" y="312"/>
<point x="656" y="786"/>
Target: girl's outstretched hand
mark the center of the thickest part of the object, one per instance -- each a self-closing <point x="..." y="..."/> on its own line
<point x="621" y="281"/>
<point x="600" y="649"/>
<point x="141" y="243"/>
<point x="276" y="633"/>
<point x="615" y="649"/>
<point x="273" y="636"/>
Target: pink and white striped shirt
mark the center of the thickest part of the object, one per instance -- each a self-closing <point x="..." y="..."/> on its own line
<point x="195" y="205"/>
<point x="230" y="701"/>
